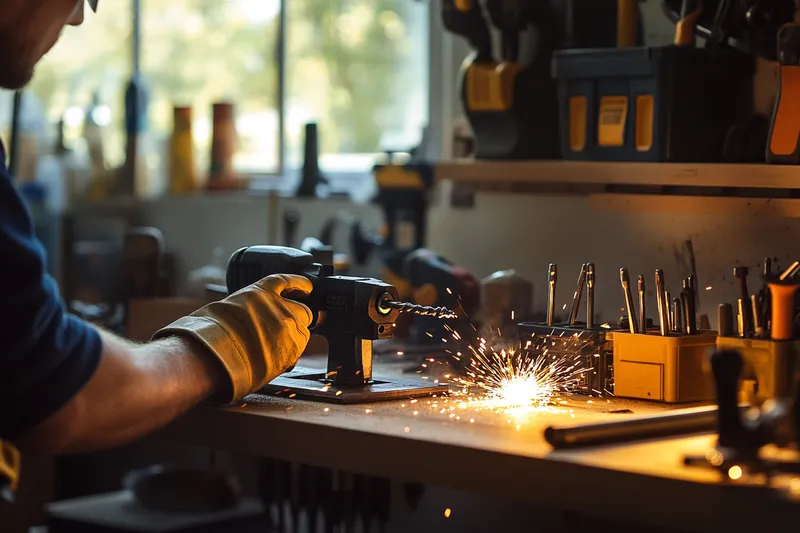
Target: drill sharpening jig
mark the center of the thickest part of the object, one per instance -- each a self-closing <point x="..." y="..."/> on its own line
<point x="350" y="313"/>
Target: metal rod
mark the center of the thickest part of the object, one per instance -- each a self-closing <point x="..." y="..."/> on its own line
<point x="678" y="422"/>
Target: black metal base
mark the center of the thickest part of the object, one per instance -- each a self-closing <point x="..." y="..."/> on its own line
<point x="311" y="384"/>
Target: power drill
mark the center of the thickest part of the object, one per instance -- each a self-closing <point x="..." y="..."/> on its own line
<point x="350" y="312"/>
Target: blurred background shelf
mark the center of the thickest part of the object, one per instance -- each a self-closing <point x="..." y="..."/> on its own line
<point x="701" y="179"/>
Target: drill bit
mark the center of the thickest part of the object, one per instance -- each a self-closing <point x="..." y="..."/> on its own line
<point x="625" y="280"/>
<point x="589" y="295"/>
<point x="576" y="298"/>
<point x="642" y="307"/>
<point x="422" y="310"/>
<point x="663" y="314"/>
<point x="552" y="279"/>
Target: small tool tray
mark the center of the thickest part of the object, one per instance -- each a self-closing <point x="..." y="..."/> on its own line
<point x="668" y="369"/>
<point x="591" y="346"/>
<point x="769" y="368"/>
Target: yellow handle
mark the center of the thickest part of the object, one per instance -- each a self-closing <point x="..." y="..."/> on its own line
<point x="782" y="310"/>
<point x="10" y="464"/>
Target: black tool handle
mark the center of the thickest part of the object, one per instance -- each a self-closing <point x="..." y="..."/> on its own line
<point x="726" y="366"/>
<point x="687" y="299"/>
<point x="251" y="264"/>
<point x="725" y="320"/>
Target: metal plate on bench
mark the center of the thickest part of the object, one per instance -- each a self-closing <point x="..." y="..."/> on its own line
<point x="312" y="384"/>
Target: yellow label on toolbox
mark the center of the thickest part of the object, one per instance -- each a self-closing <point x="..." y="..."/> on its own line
<point x="611" y="122"/>
<point x="578" y="106"/>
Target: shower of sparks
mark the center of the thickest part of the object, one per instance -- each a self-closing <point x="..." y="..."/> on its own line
<point x="519" y="380"/>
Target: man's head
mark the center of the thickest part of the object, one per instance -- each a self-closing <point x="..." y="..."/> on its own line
<point x="28" y="30"/>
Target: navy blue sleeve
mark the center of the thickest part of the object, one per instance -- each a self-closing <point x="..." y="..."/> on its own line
<point x="46" y="355"/>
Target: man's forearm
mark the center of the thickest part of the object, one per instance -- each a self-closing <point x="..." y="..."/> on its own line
<point x="135" y="390"/>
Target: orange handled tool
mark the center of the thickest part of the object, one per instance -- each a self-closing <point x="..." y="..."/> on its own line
<point x="627" y="22"/>
<point x="784" y="136"/>
<point x="783" y="306"/>
<point x="687" y="25"/>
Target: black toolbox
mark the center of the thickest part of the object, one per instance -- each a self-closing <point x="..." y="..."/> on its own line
<point x="650" y="103"/>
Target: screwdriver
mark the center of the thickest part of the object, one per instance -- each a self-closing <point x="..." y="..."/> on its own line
<point x="676" y="316"/>
<point x="552" y="278"/>
<point x="626" y="289"/>
<point x="757" y="327"/>
<point x="670" y="316"/>
<point x="642" y="307"/>
<point x="663" y="318"/>
<point x="745" y="311"/>
<point x="576" y="298"/>
<point x="589" y="295"/>
<point x="687" y="298"/>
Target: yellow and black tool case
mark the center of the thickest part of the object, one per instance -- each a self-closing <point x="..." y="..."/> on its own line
<point x="650" y="103"/>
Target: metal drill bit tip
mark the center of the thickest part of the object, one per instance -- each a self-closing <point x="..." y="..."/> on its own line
<point x="624" y="277"/>
<point x="422" y="310"/>
<point x="552" y="273"/>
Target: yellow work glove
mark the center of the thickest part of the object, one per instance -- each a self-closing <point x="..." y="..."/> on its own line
<point x="256" y="333"/>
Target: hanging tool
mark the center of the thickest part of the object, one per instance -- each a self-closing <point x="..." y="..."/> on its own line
<point x="685" y="28"/>
<point x="552" y="279"/>
<point x="576" y="298"/>
<point x="745" y="310"/>
<point x="642" y="306"/>
<point x="725" y="320"/>
<point x="627" y="23"/>
<point x="625" y="279"/>
<point x="784" y="135"/>
<point x="589" y="295"/>
<point x="663" y="314"/>
<point x="349" y="312"/>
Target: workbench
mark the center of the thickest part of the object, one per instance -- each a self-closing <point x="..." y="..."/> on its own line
<point x="446" y="442"/>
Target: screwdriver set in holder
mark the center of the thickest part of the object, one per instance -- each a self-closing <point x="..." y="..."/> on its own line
<point x="588" y="348"/>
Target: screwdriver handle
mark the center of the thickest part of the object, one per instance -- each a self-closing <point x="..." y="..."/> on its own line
<point x="782" y="310"/>
<point x="727" y="369"/>
<point x="725" y="320"/>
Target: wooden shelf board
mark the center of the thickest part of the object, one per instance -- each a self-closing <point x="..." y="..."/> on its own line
<point x="709" y="175"/>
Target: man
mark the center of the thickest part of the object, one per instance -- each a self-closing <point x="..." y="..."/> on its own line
<point x="67" y="387"/>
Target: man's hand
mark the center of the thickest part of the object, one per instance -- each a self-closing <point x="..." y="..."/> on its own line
<point x="256" y="333"/>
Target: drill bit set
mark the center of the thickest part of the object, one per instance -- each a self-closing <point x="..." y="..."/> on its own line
<point x="764" y="334"/>
<point x="584" y="342"/>
<point x="664" y="364"/>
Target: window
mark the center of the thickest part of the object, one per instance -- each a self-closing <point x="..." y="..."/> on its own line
<point x="356" y="67"/>
<point x="91" y="62"/>
<point x="359" y="68"/>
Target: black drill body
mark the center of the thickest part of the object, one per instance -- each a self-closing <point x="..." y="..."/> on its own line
<point x="347" y="310"/>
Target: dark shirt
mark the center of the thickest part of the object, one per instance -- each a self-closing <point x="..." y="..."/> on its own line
<point x="46" y="355"/>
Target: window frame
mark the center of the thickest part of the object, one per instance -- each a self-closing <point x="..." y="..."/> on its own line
<point x="437" y="43"/>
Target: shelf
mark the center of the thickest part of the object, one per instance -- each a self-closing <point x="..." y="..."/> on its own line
<point x="600" y="176"/>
